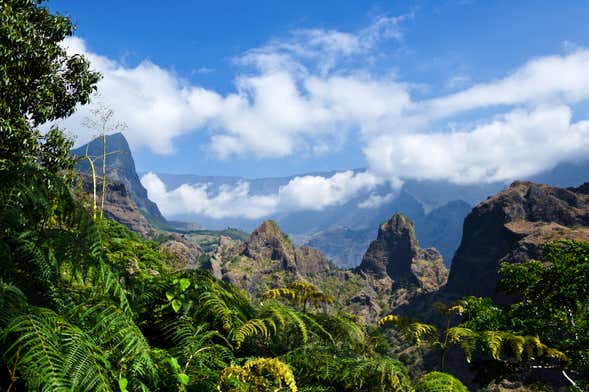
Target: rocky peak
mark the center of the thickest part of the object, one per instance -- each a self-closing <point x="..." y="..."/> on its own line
<point x="512" y="226"/>
<point x="269" y="242"/>
<point x="120" y="167"/>
<point x="118" y="204"/>
<point x="396" y="255"/>
<point x="267" y="259"/>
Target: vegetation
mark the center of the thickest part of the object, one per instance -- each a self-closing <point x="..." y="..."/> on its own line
<point x="86" y="304"/>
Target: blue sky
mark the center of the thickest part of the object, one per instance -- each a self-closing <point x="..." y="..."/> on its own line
<point x="460" y="91"/>
<point x="468" y="41"/>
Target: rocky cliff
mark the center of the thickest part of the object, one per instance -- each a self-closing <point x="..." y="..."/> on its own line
<point x="120" y="167"/>
<point x="265" y="260"/>
<point x="118" y="204"/>
<point x="511" y="226"/>
<point x="396" y="255"/>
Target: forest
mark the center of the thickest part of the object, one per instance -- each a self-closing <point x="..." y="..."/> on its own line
<point x="74" y="316"/>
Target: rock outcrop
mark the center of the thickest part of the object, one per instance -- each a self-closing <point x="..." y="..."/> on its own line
<point x="396" y="255"/>
<point x="512" y="226"/>
<point x="181" y="252"/>
<point x="118" y="204"/>
<point x="265" y="260"/>
<point x="120" y="167"/>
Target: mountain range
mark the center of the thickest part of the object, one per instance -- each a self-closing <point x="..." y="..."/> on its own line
<point x="341" y="232"/>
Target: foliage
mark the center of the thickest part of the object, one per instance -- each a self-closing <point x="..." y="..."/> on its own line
<point x="301" y="294"/>
<point x="39" y="81"/>
<point x="335" y="369"/>
<point x="439" y="382"/>
<point x="88" y="305"/>
<point x="554" y="299"/>
<point x="261" y="374"/>
<point x="500" y="345"/>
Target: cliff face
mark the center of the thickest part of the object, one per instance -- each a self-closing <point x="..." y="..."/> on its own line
<point x="118" y="204"/>
<point x="512" y="226"/>
<point x="120" y="167"/>
<point x="396" y="255"/>
<point x="267" y="259"/>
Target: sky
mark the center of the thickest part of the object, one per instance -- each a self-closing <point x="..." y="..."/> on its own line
<point x="460" y="91"/>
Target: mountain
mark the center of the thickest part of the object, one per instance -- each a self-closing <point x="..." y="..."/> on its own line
<point x="343" y="232"/>
<point x="511" y="226"/>
<point x="394" y="269"/>
<point x="120" y="167"/>
<point x="267" y="259"/>
<point x="118" y="204"/>
<point x="395" y="254"/>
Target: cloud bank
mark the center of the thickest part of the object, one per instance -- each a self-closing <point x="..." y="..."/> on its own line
<point x="300" y="194"/>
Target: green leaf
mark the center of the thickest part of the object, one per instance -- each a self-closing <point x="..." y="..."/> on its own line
<point x="123" y="384"/>
<point x="176" y="305"/>
<point x="183" y="378"/>
<point x="184" y="284"/>
<point x="169" y="296"/>
<point x="174" y="364"/>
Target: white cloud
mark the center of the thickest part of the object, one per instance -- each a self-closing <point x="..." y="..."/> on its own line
<point x="316" y="193"/>
<point x="301" y="193"/>
<point x="154" y="103"/>
<point x="550" y="79"/>
<point x="228" y="202"/>
<point x="287" y="105"/>
<point x="305" y="94"/>
<point x="375" y="200"/>
<point x="518" y="144"/>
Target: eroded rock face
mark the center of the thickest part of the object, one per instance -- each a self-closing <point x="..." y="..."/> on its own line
<point x="270" y="243"/>
<point x="512" y="226"/>
<point x="120" y="168"/>
<point x="396" y="255"/>
<point x="266" y="259"/>
<point x="118" y="204"/>
<point x="181" y="252"/>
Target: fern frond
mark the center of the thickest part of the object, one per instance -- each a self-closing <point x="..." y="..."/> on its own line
<point x="254" y="327"/>
<point x="263" y="374"/>
<point x="38" y="347"/>
<point x="411" y="329"/>
<point x="282" y="292"/>
<point x="215" y="306"/>
<point x="465" y="337"/>
<point x="12" y="302"/>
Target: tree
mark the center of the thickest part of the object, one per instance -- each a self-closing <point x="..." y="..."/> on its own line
<point x="39" y="81"/>
<point x="500" y="345"/>
<point x="553" y="300"/>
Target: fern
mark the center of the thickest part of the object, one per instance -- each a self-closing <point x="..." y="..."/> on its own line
<point x="263" y="374"/>
<point x="466" y="338"/>
<point x="439" y="382"/>
<point x="412" y="330"/>
<point x="114" y="329"/>
<point x="54" y="354"/>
